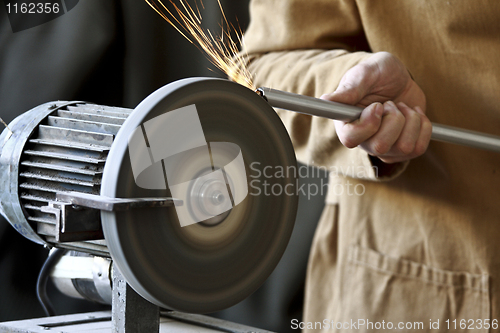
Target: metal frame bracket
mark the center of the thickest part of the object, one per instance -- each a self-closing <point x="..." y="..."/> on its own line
<point x="114" y="204"/>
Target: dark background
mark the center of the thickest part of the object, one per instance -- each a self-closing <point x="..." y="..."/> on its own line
<point x="117" y="53"/>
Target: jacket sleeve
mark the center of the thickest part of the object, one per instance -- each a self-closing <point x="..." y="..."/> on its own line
<point x="305" y="47"/>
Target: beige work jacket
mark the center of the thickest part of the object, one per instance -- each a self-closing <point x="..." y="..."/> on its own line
<point x="421" y="243"/>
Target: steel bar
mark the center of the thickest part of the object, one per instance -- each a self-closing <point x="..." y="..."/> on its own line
<point x="332" y="110"/>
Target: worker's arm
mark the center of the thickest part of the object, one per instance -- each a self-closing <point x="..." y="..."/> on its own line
<point x="310" y="47"/>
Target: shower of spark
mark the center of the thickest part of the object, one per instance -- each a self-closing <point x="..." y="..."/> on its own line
<point x="222" y="50"/>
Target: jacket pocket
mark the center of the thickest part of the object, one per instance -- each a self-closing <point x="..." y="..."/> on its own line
<point x="405" y="293"/>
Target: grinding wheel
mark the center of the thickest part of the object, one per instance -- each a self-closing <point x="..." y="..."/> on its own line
<point x="207" y="266"/>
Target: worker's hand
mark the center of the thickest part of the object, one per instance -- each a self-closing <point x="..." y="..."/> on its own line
<point x="393" y="125"/>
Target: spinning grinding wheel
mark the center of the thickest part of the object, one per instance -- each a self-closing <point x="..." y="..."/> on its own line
<point x="207" y="266"/>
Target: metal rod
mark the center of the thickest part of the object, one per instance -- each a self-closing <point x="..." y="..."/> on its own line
<point x="332" y="110"/>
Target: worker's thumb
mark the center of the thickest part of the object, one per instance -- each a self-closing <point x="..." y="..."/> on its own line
<point x="353" y="87"/>
<point x="345" y="95"/>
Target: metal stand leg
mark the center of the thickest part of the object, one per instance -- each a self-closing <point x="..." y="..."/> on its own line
<point x="130" y="312"/>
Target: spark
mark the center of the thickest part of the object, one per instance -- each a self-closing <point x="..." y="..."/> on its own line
<point x="5" y="124"/>
<point x="221" y="50"/>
